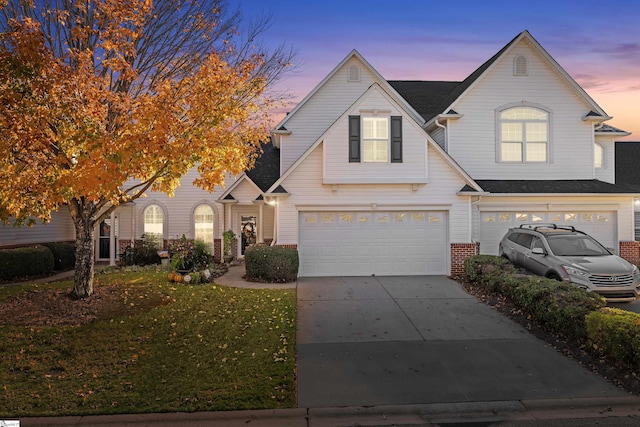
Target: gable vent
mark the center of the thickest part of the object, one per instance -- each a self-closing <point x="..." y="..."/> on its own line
<point x="354" y="73"/>
<point x="520" y="66"/>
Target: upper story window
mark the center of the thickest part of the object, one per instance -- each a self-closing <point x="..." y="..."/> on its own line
<point x="524" y="134"/>
<point x="375" y="139"/>
<point x="598" y="158"/>
<point x="153" y="222"/>
<point x="203" y="224"/>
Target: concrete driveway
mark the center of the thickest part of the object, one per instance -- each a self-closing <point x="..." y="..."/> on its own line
<point x="365" y="341"/>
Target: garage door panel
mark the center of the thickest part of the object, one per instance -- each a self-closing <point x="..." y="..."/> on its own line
<point x="493" y="225"/>
<point x="366" y="243"/>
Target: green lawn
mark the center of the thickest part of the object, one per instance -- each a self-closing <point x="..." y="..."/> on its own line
<point x="179" y="348"/>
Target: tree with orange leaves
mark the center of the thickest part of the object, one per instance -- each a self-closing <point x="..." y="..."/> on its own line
<point x="102" y="100"/>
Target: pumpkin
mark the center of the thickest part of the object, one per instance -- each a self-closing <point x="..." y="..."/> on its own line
<point x="177" y="278"/>
<point x="171" y="276"/>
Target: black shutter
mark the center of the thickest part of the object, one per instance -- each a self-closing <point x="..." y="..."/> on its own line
<point x="354" y="139"/>
<point x="396" y="139"/>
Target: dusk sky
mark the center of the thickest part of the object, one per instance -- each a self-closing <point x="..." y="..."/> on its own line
<point x="596" y="42"/>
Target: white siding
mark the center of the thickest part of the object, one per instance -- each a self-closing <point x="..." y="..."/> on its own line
<point x="321" y="111"/>
<point x="608" y="171"/>
<point x="308" y="193"/>
<point x="59" y="229"/>
<point x="473" y="139"/>
<point x="338" y="169"/>
<point x="179" y="208"/>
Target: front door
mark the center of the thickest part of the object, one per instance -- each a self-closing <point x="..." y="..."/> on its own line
<point x="104" y="241"/>
<point x="248" y="231"/>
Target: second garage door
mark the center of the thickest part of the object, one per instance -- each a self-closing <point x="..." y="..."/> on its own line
<point x="373" y="243"/>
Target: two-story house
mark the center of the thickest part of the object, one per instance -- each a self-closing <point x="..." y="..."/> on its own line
<point x="373" y="177"/>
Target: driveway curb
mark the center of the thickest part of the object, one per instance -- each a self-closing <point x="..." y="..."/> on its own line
<point x="383" y="415"/>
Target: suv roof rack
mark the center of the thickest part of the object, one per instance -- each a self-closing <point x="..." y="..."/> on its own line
<point x="537" y="225"/>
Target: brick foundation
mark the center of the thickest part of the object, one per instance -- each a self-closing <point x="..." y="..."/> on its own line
<point x="460" y="252"/>
<point x="217" y="250"/>
<point x="630" y="251"/>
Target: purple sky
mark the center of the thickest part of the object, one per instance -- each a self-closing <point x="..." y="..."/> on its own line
<point x="596" y="42"/>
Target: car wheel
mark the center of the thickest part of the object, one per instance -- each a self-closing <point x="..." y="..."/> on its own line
<point x="554" y="276"/>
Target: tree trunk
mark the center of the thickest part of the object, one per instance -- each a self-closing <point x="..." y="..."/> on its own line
<point x="82" y="214"/>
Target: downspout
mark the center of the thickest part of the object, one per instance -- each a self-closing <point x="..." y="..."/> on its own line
<point x="275" y="223"/>
<point x="444" y="129"/>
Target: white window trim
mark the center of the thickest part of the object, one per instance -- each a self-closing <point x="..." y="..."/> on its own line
<point x="603" y="164"/>
<point x="498" y="132"/>
<point x="213" y="223"/>
<point x="375" y="115"/>
<point x="165" y="217"/>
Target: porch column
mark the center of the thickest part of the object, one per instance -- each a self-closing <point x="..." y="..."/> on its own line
<point x="260" y="235"/>
<point x="112" y="239"/>
<point x="227" y="217"/>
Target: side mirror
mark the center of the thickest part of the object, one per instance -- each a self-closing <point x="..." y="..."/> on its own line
<point x="538" y="251"/>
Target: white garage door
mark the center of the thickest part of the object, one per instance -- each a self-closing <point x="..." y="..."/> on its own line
<point x="493" y="225"/>
<point x="368" y="243"/>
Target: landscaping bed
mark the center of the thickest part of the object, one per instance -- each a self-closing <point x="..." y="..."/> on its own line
<point x="619" y="374"/>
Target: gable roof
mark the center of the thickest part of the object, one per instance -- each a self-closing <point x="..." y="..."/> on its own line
<point x="605" y="129"/>
<point x="377" y="76"/>
<point x="445" y="94"/>
<point x="266" y="169"/>
<point x="440" y="151"/>
<point x="265" y="172"/>
<point x="542" y="186"/>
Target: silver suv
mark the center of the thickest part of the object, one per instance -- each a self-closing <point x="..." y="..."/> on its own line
<point x="564" y="253"/>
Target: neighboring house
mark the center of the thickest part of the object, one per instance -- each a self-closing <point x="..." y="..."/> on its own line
<point x="373" y="177"/>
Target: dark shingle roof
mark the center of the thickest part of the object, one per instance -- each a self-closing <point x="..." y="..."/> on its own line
<point x="430" y="98"/>
<point x="424" y="96"/>
<point x="542" y="186"/>
<point x="627" y="163"/>
<point x="267" y="167"/>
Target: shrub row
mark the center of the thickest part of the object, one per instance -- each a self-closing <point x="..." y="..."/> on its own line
<point x="271" y="263"/>
<point x="615" y="335"/>
<point x="24" y="262"/>
<point x="64" y="255"/>
<point x="561" y="308"/>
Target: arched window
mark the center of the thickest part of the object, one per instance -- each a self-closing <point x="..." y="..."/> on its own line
<point x="520" y="66"/>
<point x="203" y="224"/>
<point x="598" y="155"/>
<point x="354" y="73"/>
<point x="153" y="222"/>
<point x="524" y="134"/>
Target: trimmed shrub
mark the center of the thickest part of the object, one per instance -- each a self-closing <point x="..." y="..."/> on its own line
<point x="25" y="262"/>
<point x="558" y="307"/>
<point x="273" y="264"/>
<point x="64" y="255"/>
<point x="143" y="252"/>
<point x="189" y="254"/>
<point x="615" y="334"/>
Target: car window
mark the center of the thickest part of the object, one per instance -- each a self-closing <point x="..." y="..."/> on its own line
<point x="575" y="245"/>
<point x="537" y="243"/>
<point x="524" y="239"/>
<point x="513" y="237"/>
